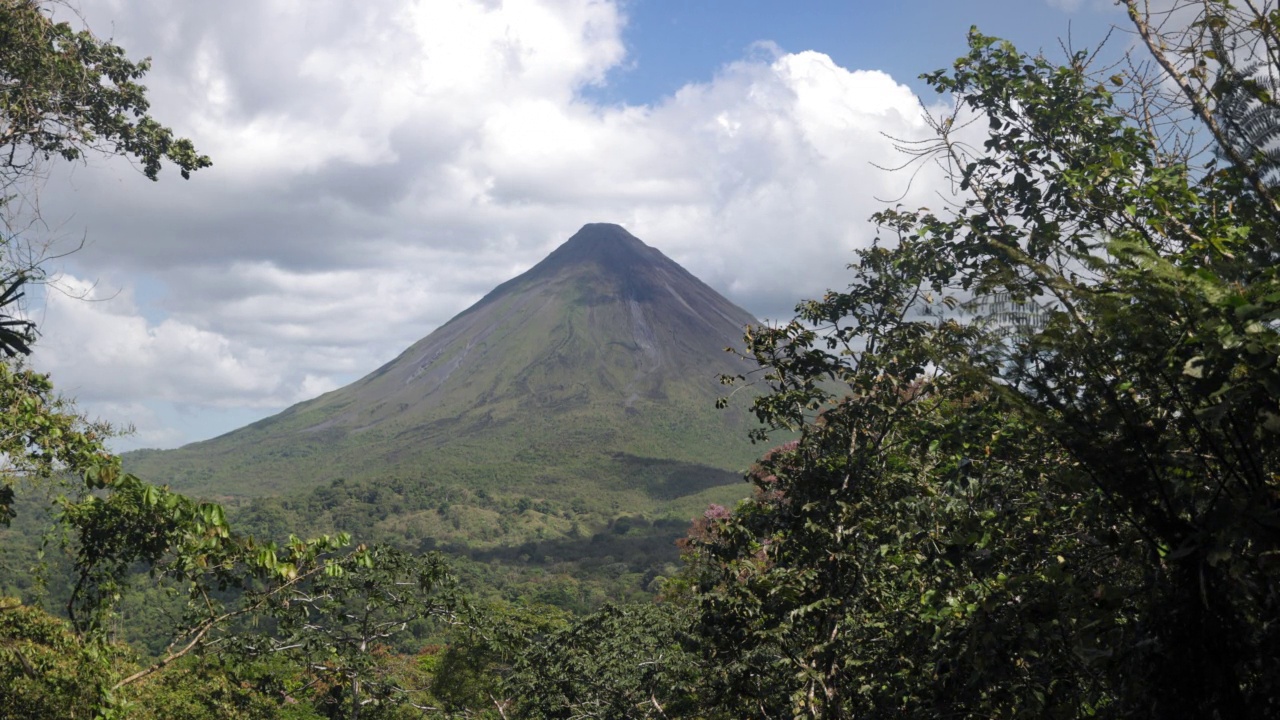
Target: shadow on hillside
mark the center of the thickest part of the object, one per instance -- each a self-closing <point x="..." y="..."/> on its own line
<point x="628" y="544"/>
<point x="672" y="479"/>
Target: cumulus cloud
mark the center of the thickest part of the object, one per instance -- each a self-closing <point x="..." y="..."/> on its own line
<point x="100" y="348"/>
<point x="379" y="166"/>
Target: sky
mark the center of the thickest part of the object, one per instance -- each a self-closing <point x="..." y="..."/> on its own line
<point x="379" y="166"/>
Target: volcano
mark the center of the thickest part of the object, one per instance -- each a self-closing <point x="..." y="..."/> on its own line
<point x="596" y="371"/>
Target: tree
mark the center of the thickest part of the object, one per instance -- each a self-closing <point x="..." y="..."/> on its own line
<point x="338" y="622"/>
<point x="885" y="563"/>
<point x="619" y="662"/>
<point x="1077" y="519"/>
<point x="473" y="674"/>
<point x="40" y="435"/>
<point x="63" y="93"/>
<point x="44" y="670"/>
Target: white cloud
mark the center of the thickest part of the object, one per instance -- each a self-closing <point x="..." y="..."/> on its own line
<point x="137" y="424"/>
<point x="378" y="167"/>
<point x="99" y="348"/>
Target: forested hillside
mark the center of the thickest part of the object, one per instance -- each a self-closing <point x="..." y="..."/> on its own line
<point x="1072" y="511"/>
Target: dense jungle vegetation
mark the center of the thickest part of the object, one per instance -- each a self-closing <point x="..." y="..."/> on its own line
<point x="1069" y="508"/>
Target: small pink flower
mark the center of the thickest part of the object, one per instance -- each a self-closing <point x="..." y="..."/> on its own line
<point x="716" y="512"/>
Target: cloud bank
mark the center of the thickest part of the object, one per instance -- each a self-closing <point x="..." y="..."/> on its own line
<point x="379" y="166"/>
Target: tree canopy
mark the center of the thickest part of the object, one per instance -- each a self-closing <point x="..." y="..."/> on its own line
<point x="65" y="92"/>
<point x="1076" y="518"/>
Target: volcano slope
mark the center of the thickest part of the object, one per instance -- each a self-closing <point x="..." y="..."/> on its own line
<point x="589" y="380"/>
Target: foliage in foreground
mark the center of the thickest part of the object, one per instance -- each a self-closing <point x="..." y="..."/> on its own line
<point x="1080" y="517"/>
<point x="65" y="93"/>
